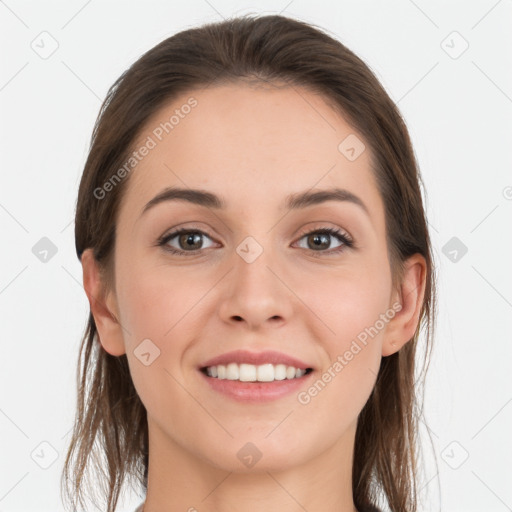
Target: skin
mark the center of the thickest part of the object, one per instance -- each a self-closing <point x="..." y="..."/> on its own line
<point x="253" y="146"/>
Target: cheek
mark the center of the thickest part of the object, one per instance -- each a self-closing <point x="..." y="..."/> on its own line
<point x="157" y="309"/>
<point x="154" y="302"/>
<point x="351" y="306"/>
<point x="351" y="333"/>
<point x="346" y="302"/>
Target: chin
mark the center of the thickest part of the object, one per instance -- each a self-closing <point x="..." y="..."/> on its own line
<point x="256" y="454"/>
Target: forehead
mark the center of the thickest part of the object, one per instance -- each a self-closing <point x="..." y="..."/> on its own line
<point x="251" y="145"/>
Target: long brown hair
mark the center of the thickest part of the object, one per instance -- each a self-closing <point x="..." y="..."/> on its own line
<point x="110" y="432"/>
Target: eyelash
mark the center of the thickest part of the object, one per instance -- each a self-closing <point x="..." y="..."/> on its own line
<point x="337" y="233"/>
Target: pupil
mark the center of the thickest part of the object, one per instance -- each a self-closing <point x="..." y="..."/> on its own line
<point x="317" y="239"/>
<point x="190" y="238"/>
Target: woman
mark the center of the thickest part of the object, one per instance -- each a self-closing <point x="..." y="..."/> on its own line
<point x="257" y="261"/>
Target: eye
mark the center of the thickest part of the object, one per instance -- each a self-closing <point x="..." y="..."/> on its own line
<point x="189" y="238"/>
<point x="319" y="239"/>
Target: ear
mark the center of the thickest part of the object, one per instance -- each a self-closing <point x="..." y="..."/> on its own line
<point x="409" y="296"/>
<point x="102" y="303"/>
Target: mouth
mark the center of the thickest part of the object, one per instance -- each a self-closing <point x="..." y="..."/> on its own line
<point x="255" y="377"/>
<point x="256" y="385"/>
<point x="250" y="373"/>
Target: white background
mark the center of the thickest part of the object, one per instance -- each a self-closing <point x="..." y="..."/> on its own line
<point x="458" y="111"/>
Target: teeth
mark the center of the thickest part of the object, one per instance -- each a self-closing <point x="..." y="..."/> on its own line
<point x="251" y="373"/>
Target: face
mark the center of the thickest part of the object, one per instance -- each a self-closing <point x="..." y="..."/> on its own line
<point x="253" y="275"/>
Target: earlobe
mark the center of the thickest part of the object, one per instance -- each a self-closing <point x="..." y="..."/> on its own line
<point x="107" y="325"/>
<point x="410" y="295"/>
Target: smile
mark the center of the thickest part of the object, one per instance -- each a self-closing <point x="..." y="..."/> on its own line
<point x="252" y="373"/>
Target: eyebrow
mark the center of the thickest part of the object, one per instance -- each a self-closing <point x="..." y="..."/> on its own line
<point x="292" y="202"/>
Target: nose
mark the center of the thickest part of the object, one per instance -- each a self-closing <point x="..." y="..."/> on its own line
<point x="256" y="293"/>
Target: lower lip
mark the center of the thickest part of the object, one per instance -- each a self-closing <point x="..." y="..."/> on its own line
<point x="257" y="392"/>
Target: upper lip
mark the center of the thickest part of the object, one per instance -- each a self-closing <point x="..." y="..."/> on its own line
<point x="255" y="358"/>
